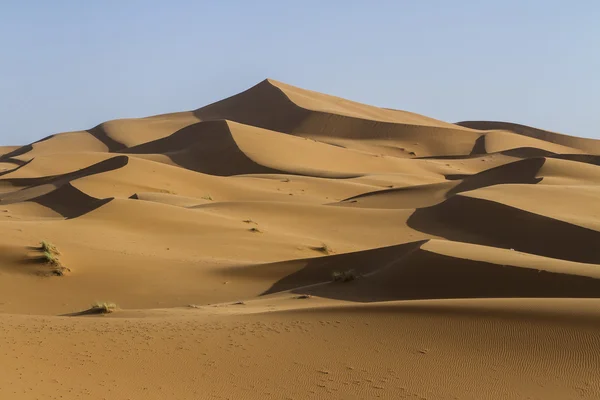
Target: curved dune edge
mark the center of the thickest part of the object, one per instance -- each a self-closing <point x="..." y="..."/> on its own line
<point x="518" y="172"/>
<point x="462" y="218"/>
<point x="587" y="145"/>
<point x="433" y="269"/>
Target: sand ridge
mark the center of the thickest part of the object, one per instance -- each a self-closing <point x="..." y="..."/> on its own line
<point x="283" y="243"/>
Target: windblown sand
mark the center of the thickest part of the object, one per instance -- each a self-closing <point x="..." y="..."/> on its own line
<point x="286" y="244"/>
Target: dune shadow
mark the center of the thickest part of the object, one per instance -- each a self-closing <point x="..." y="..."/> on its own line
<point x="207" y="147"/>
<point x="518" y="172"/>
<point x="479" y="146"/>
<point x="19" y="166"/>
<point x="103" y="166"/>
<point x="582" y="158"/>
<point x="70" y="202"/>
<point x="89" y="311"/>
<point x="99" y="133"/>
<point x="527" y="152"/>
<point x="263" y="105"/>
<point x="318" y="270"/>
<point x="57" y="193"/>
<point x="466" y="219"/>
<point x="427" y="275"/>
<point x="8" y="157"/>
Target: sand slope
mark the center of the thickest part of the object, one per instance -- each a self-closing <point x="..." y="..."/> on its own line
<point x="283" y="243"/>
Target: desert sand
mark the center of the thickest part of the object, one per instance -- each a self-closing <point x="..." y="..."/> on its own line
<point x="287" y="244"/>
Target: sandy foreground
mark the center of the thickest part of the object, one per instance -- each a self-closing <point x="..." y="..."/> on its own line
<point x="287" y="244"/>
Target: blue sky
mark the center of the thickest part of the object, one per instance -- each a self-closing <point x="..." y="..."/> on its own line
<point x="69" y="65"/>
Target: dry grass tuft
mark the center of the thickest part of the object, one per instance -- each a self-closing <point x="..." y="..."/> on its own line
<point x="103" y="308"/>
<point x="48" y="247"/>
<point x="344" y="276"/>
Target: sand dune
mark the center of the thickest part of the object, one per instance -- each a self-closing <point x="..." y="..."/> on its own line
<point x="586" y="145"/>
<point x="283" y="243"/>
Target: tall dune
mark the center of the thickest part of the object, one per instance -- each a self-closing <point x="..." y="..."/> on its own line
<point x="283" y="243"/>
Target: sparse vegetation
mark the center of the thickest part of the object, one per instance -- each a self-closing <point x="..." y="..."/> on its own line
<point x="207" y="197"/>
<point x="344" y="276"/>
<point x="303" y="296"/>
<point x="324" y="248"/>
<point x="255" y="230"/>
<point x="50" y="258"/>
<point x="59" y="270"/>
<point x="249" y="221"/>
<point x="103" y="308"/>
<point x="48" y="247"/>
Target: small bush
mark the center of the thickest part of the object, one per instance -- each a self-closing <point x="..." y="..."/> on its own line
<point x="207" y="197"/>
<point x="344" y="276"/>
<point x="103" y="307"/>
<point x="48" y="247"/>
<point x="255" y="230"/>
<point x="50" y="258"/>
<point x="59" y="270"/>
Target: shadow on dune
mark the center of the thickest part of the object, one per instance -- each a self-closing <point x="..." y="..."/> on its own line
<point x="527" y="152"/>
<point x="89" y="311"/>
<point x="19" y="166"/>
<point x="70" y="202"/>
<point x="588" y="145"/>
<point x="427" y="275"/>
<point x="478" y="152"/>
<point x="522" y="171"/>
<point x="582" y="158"/>
<point x="15" y="161"/>
<point x="316" y="270"/>
<point x="408" y="272"/>
<point x="8" y="157"/>
<point x="57" y="193"/>
<point x="110" y="164"/>
<point x="479" y="146"/>
<point x="99" y="133"/>
<point x="206" y="147"/>
<point x="263" y="105"/>
<point x="518" y="172"/>
<point x="466" y="219"/>
<point x="267" y="106"/>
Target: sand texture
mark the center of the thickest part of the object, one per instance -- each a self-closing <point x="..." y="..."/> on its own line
<point x="287" y="244"/>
